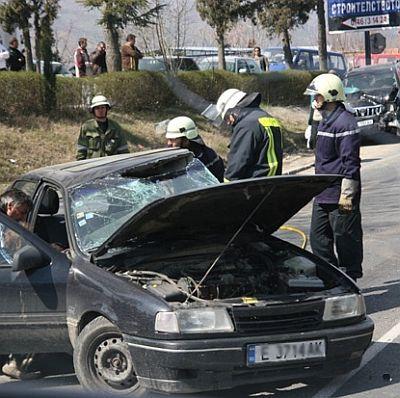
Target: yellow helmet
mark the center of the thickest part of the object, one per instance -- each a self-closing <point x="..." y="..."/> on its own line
<point x="329" y="86"/>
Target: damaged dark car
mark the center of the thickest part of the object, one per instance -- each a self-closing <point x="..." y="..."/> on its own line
<point x="373" y="92"/>
<point x="157" y="277"/>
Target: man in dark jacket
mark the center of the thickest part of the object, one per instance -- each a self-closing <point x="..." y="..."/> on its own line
<point x="255" y="149"/>
<point x="16" y="61"/>
<point x="98" y="59"/>
<point x="182" y="133"/>
<point x="336" y="217"/>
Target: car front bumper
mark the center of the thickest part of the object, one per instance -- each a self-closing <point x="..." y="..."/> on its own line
<point x="185" y="366"/>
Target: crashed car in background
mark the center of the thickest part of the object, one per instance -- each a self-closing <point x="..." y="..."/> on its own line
<point x="373" y="92"/>
<point x="168" y="280"/>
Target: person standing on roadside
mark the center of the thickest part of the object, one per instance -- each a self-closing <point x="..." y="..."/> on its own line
<point x="81" y="59"/>
<point x="130" y="54"/>
<point x="4" y="55"/>
<point x="98" y="59"/>
<point x="336" y="216"/>
<point x="16" y="62"/>
<point x="261" y="59"/>
<point x="100" y="136"/>
<point x="255" y="148"/>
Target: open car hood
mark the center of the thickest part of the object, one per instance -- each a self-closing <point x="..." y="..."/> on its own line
<point x="221" y="209"/>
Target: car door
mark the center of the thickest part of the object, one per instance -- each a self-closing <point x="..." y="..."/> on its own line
<point x="32" y="302"/>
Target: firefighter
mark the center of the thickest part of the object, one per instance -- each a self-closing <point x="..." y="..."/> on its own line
<point x="100" y="136"/>
<point x="255" y="148"/>
<point x="336" y="216"/>
<point x="182" y="132"/>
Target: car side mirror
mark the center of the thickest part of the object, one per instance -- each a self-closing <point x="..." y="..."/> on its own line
<point x="242" y="70"/>
<point x="28" y="257"/>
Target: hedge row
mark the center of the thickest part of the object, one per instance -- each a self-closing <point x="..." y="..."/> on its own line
<point x="23" y="92"/>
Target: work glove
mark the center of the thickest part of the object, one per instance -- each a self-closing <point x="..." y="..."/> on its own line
<point x="307" y="136"/>
<point x="348" y="193"/>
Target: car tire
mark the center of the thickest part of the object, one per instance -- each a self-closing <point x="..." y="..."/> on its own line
<point x="102" y="360"/>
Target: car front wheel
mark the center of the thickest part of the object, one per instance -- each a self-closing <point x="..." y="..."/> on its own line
<point x="102" y="360"/>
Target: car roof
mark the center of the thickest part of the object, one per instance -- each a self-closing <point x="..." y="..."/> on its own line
<point x="84" y="171"/>
<point x="227" y="58"/>
<point x="302" y="48"/>
<point x="377" y="67"/>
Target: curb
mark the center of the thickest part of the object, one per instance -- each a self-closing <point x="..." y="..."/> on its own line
<point x="300" y="169"/>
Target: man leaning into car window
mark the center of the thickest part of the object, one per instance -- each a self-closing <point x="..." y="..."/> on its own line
<point x="100" y="136"/>
<point x="16" y="205"/>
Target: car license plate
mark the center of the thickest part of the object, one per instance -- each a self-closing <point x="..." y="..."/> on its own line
<point x="367" y="122"/>
<point x="281" y="352"/>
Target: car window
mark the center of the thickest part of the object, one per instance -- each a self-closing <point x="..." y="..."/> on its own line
<point x="28" y="187"/>
<point x="335" y="62"/>
<point x="230" y="66"/>
<point x="371" y="80"/>
<point x="303" y="60"/>
<point x="253" y="66"/>
<point x="10" y="242"/>
<point x="241" y="64"/>
<point x="315" y="59"/>
<point x="101" y="207"/>
<point x="152" y="64"/>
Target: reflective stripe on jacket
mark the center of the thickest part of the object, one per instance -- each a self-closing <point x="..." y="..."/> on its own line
<point x="256" y="146"/>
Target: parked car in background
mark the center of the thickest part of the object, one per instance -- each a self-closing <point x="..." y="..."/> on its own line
<point x="235" y="64"/>
<point x="137" y="295"/>
<point x="161" y="64"/>
<point x="304" y="59"/>
<point x="59" y="69"/>
<point x="373" y="91"/>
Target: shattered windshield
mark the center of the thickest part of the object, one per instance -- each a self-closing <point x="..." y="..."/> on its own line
<point x="101" y="207"/>
<point x="370" y="80"/>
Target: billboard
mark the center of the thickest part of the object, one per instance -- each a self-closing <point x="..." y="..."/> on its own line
<point x="356" y="15"/>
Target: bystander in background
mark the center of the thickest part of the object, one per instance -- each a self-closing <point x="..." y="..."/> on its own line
<point x="261" y="59"/>
<point x="98" y="59"/>
<point x="16" y="62"/>
<point x="130" y="54"/>
<point x="81" y="59"/>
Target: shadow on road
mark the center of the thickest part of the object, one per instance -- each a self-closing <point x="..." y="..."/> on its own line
<point x="380" y="138"/>
<point x="383" y="297"/>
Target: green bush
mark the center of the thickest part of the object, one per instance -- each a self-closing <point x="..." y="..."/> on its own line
<point x="132" y="91"/>
<point x="277" y="88"/>
<point x="22" y="93"/>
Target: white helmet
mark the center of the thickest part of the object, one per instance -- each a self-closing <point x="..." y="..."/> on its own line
<point x="229" y="99"/>
<point x="329" y="86"/>
<point x="99" y="100"/>
<point x="181" y="126"/>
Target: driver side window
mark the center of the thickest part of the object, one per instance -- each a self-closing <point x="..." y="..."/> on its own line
<point x="10" y="243"/>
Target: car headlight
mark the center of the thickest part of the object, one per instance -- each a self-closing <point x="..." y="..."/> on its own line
<point x="196" y="320"/>
<point x="342" y="307"/>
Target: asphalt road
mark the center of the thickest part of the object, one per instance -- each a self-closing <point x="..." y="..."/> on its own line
<point x="379" y="374"/>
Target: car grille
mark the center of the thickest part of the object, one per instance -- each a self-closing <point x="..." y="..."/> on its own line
<point x="368" y="111"/>
<point x="278" y="319"/>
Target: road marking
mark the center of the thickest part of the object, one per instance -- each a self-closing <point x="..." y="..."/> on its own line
<point x="371" y="352"/>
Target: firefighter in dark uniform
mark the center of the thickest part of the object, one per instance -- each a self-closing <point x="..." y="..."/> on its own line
<point x="336" y="217"/>
<point x="255" y="148"/>
<point x="100" y="136"/>
<point x="182" y="132"/>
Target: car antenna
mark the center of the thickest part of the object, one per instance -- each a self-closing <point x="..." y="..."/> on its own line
<point x="228" y="244"/>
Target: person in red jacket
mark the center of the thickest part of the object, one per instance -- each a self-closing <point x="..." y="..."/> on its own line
<point x="81" y="59"/>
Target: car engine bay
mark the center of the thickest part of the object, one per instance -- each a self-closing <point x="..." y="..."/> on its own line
<point x="251" y="269"/>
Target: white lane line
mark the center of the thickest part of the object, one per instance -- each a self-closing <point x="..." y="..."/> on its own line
<point x="371" y="352"/>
